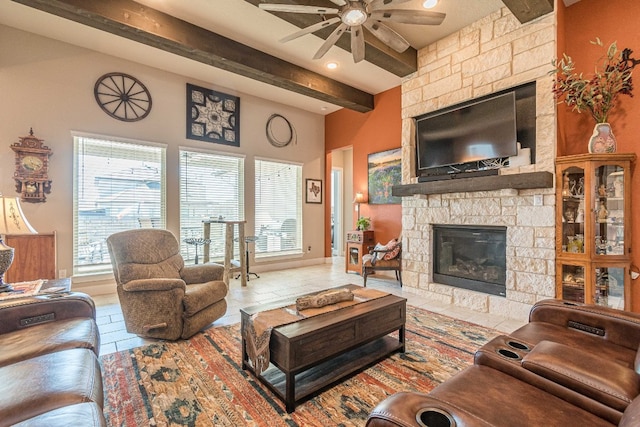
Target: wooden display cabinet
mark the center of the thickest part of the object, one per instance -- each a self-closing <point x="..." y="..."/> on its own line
<point x="358" y="243"/>
<point x="593" y="229"/>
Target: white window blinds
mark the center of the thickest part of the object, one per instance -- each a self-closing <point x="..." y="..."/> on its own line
<point x="211" y="186"/>
<point x="278" y="205"/>
<point x="117" y="186"/>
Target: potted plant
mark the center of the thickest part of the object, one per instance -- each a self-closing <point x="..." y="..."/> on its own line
<point x="596" y="94"/>
<point x="363" y="223"/>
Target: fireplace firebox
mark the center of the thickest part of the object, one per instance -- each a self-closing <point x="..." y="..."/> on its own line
<point x="470" y="257"/>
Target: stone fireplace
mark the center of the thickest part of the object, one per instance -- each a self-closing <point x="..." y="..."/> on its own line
<point x="470" y="257"/>
<point x="490" y="55"/>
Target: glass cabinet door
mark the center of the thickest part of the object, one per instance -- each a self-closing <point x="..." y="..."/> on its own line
<point x="573" y="281"/>
<point x="609" y="286"/>
<point x="608" y="210"/>
<point x="573" y="210"/>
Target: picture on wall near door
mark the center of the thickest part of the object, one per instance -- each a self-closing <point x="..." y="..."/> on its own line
<point x="385" y="171"/>
<point x="314" y="190"/>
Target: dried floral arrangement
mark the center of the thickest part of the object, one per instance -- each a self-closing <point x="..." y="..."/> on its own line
<point x="598" y="93"/>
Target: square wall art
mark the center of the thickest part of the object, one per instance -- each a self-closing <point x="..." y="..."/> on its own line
<point x="213" y="116"/>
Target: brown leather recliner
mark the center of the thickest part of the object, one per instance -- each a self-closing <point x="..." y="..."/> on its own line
<point x="481" y="396"/>
<point x="160" y="296"/>
<point x="572" y="364"/>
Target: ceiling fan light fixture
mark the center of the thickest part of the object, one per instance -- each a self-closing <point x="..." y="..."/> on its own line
<point x="354" y="15"/>
<point x="429" y="4"/>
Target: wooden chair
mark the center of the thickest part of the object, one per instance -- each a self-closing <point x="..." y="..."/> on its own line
<point x="374" y="261"/>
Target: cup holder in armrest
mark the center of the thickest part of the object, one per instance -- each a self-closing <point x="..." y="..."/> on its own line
<point x="508" y="354"/>
<point x="434" y="417"/>
<point x="518" y="345"/>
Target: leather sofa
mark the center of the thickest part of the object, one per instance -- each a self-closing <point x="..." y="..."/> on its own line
<point x="571" y="364"/>
<point x="49" y="370"/>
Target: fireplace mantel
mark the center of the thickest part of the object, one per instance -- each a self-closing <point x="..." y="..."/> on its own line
<point x="518" y="181"/>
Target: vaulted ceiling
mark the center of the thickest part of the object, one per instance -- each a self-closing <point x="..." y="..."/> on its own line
<point x="240" y="39"/>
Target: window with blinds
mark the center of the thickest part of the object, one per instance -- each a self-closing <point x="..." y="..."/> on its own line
<point x="117" y="185"/>
<point x="278" y="205"/>
<point x="211" y="186"/>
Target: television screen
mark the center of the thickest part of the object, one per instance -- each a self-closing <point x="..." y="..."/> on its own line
<point x="480" y="130"/>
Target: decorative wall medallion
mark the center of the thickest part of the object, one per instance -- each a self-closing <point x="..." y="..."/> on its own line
<point x="213" y="116"/>
<point x="32" y="166"/>
<point x="123" y="97"/>
<point x="280" y="132"/>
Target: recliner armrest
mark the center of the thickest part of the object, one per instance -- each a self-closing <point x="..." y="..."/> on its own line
<point x="600" y="379"/>
<point x="16" y="314"/>
<point x="201" y="273"/>
<point x="141" y="285"/>
<point x="617" y="326"/>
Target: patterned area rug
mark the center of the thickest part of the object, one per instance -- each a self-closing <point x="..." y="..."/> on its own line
<point x="200" y="382"/>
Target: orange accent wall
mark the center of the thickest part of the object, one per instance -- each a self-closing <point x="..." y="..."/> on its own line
<point x="613" y="20"/>
<point x="377" y="130"/>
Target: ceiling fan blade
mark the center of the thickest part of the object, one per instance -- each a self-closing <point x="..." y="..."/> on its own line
<point x="357" y="43"/>
<point x="310" y="29"/>
<point x="375" y="4"/>
<point x="340" y="29"/>
<point x="339" y="2"/>
<point x="294" y="8"/>
<point x="388" y="36"/>
<point x="404" y="16"/>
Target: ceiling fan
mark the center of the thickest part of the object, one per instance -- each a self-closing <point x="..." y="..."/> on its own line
<point x="352" y="16"/>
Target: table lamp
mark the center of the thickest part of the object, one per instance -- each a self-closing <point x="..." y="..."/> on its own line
<point x="358" y="199"/>
<point x="12" y="221"/>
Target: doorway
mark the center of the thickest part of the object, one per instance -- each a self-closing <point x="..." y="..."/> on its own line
<point x="337" y="209"/>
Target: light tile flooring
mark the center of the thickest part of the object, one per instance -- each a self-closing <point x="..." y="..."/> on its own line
<point x="275" y="285"/>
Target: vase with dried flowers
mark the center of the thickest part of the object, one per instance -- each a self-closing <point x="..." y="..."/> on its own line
<point x="596" y="94"/>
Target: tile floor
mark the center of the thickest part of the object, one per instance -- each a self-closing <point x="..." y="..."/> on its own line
<point x="274" y="285"/>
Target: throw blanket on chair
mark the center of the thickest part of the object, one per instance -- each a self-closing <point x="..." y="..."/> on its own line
<point x="258" y="330"/>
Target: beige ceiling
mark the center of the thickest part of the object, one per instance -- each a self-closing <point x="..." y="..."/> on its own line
<point x="247" y="24"/>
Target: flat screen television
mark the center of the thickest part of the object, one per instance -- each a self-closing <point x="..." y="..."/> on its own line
<point x="479" y="130"/>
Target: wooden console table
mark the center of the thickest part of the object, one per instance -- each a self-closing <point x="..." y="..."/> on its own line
<point x="34" y="257"/>
<point x="228" y="247"/>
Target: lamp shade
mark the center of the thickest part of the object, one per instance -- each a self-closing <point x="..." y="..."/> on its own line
<point x="359" y="198"/>
<point x="12" y="220"/>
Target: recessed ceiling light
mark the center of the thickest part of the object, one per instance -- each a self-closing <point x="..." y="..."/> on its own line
<point x="332" y="65"/>
<point x="323" y="108"/>
<point x="428" y="4"/>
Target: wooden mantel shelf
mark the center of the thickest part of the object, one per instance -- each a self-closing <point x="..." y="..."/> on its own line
<point x="518" y="181"/>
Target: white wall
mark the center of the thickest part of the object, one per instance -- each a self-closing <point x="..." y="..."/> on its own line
<point x="48" y="85"/>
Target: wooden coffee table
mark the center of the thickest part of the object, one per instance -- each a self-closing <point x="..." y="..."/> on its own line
<point x="311" y="354"/>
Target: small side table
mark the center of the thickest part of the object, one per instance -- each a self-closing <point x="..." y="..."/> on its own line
<point x="357" y="246"/>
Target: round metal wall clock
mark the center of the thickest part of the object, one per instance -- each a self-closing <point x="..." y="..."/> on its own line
<point x="123" y="97"/>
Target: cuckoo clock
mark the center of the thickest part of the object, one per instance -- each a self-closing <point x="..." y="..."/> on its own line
<point x="32" y="164"/>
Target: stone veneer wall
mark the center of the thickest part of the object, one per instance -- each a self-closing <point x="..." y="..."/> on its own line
<point x="492" y="54"/>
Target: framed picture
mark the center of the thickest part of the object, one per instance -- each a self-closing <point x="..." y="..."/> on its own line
<point x="314" y="190"/>
<point x="385" y="171"/>
<point x="213" y="116"/>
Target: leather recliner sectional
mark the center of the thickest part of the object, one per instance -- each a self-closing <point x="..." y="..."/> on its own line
<point x="49" y="370"/>
<point x="572" y="364"/>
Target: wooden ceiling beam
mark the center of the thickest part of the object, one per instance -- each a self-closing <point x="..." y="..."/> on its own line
<point x="376" y="52"/>
<point x="528" y="10"/>
<point x="151" y="27"/>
